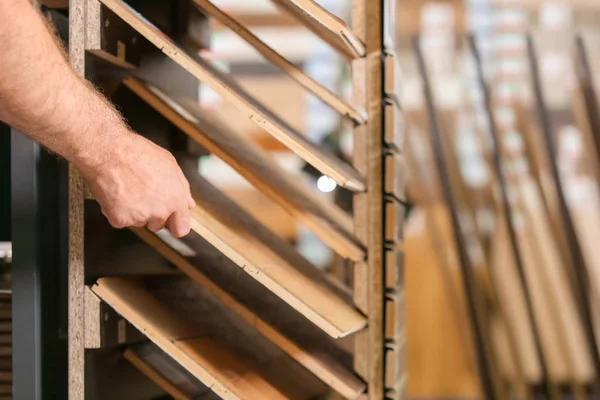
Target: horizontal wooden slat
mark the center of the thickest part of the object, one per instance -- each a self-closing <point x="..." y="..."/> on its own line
<point x="321" y="159"/>
<point x="223" y="224"/>
<point x="395" y="127"/>
<point x="224" y="372"/>
<point x="326" y="220"/>
<point x="5" y="326"/>
<point x="294" y="72"/>
<point x="395" y="176"/>
<point x="392" y="78"/>
<point x="325" y="25"/>
<point x="165" y="372"/>
<point x="111" y="59"/>
<point x="308" y="348"/>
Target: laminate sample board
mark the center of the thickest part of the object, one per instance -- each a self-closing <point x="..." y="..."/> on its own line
<point x="325" y="25"/>
<point x="282" y="325"/>
<point x="165" y="372"/>
<point x="272" y="262"/>
<point x="322" y="160"/>
<point x="325" y="219"/>
<point x="196" y="333"/>
<point x="294" y="72"/>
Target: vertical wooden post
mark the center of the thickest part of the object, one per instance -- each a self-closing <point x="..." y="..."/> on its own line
<point x="84" y="33"/>
<point x="369" y="210"/>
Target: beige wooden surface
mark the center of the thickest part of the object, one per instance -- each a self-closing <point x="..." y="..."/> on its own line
<point x="227" y="374"/>
<point x="312" y="357"/>
<point x="325" y="219"/>
<point x="323" y="160"/>
<point x="439" y="362"/>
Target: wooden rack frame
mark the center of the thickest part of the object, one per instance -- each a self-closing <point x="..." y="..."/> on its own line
<point x="288" y="303"/>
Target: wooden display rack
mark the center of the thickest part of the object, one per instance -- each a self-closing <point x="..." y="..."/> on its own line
<point x="233" y="311"/>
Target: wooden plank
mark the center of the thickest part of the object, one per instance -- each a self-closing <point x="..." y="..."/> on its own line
<point x="326" y="220"/>
<point x="395" y="176"/>
<point x="395" y="127"/>
<point x="307" y="347"/>
<point x="395" y="367"/>
<point x="394" y="315"/>
<point x="225" y="373"/>
<point x="375" y="172"/>
<point x="84" y="33"/>
<point x="392" y="77"/>
<point x="394" y="221"/>
<point x="325" y="25"/>
<point x="111" y="59"/>
<point x="5" y="326"/>
<point x="294" y="72"/>
<point x="321" y="159"/>
<point x="166" y="373"/>
<point x="222" y="223"/>
<point x="394" y="267"/>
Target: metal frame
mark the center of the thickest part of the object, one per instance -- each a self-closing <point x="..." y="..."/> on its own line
<point x="40" y="254"/>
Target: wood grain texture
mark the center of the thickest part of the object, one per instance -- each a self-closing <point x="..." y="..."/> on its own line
<point x="375" y="170"/>
<point x="326" y="220"/>
<point x="395" y="127"/>
<point x="80" y="35"/>
<point x="265" y="312"/>
<point x="394" y="221"/>
<point x="392" y="77"/>
<point x="395" y="176"/>
<point x="166" y="373"/>
<point x="222" y="223"/>
<point x="361" y="226"/>
<point x="110" y="59"/>
<point x="321" y="159"/>
<point x="214" y="365"/>
<point x="294" y="72"/>
<point x="325" y="25"/>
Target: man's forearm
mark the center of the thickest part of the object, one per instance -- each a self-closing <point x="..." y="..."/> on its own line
<point x="42" y="96"/>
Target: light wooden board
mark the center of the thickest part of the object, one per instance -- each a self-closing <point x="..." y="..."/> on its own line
<point x="326" y="220"/>
<point x="294" y="72"/>
<point x="395" y="127"/>
<point x="555" y="278"/>
<point x="165" y="372"/>
<point x="321" y="159"/>
<point x="392" y="78"/>
<point x="360" y="273"/>
<point x="512" y="299"/>
<point x="325" y="25"/>
<point x="111" y="59"/>
<point x="394" y="316"/>
<point x="394" y="267"/>
<point x="281" y="326"/>
<point x="225" y="373"/>
<point x="225" y="226"/>
<point x="395" y="176"/>
<point x="395" y="362"/>
<point x="394" y="221"/>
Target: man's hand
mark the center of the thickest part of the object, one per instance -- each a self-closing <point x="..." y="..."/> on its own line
<point x="140" y="184"/>
<point x="136" y="182"/>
